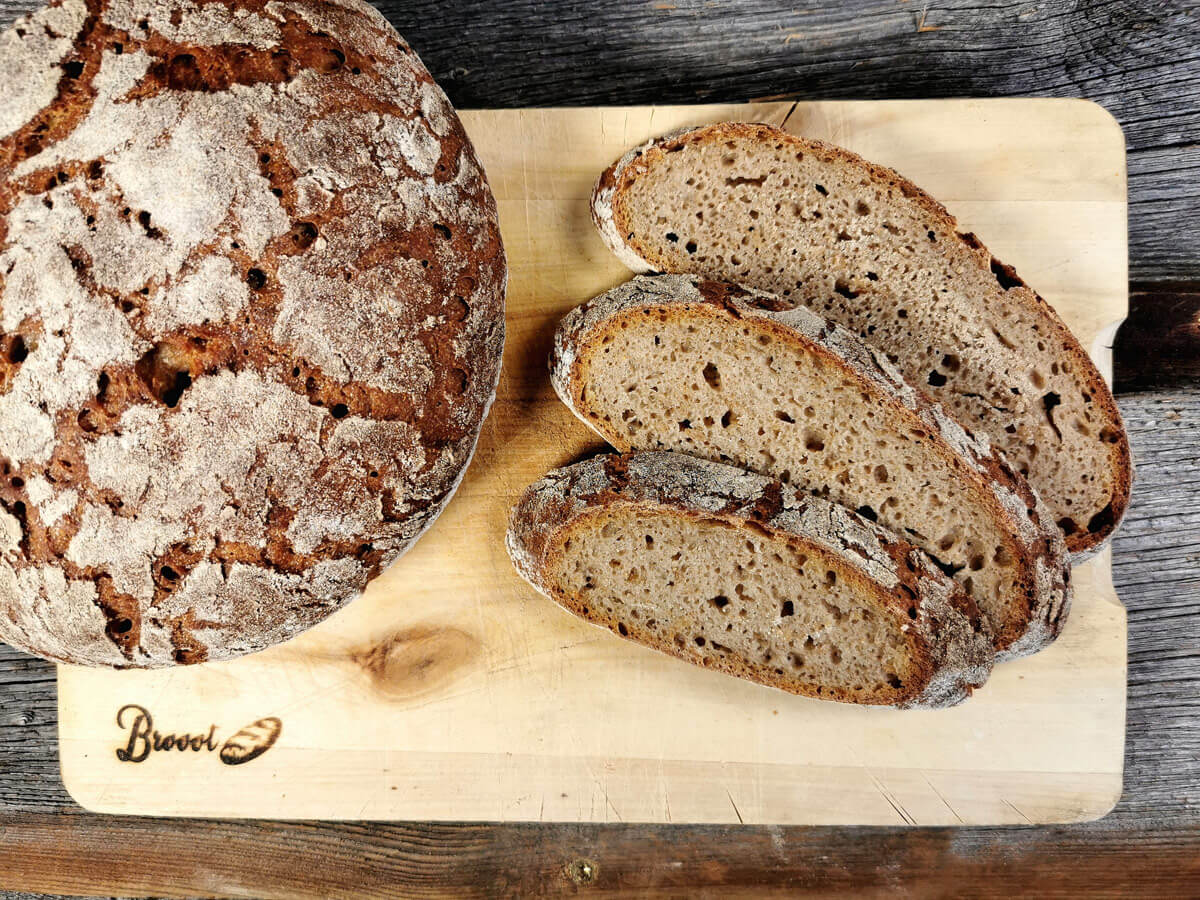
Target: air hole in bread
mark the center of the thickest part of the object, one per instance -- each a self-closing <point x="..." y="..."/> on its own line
<point x="303" y="235"/>
<point x="743" y="180"/>
<point x="1102" y="519"/>
<point x="329" y="59"/>
<point x="15" y="349"/>
<point x="1049" y="401"/>
<point x="183" y="74"/>
<point x="172" y="395"/>
<point x="1006" y="276"/>
<point x="948" y="569"/>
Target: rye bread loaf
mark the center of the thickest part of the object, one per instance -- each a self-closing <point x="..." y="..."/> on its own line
<point x="251" y="301"/>
<point x="743" y="574"/>
<point x="819" y="225"/>
<point x="673" y="362"/>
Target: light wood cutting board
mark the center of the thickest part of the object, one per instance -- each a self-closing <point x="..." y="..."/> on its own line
<point x="453" y="691"/>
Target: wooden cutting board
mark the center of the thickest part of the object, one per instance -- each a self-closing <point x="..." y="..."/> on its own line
<point x="453" y="691"/>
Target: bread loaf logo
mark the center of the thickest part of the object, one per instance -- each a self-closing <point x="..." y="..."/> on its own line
<point x="251" y="742"/>
<point x="142" y="738"/>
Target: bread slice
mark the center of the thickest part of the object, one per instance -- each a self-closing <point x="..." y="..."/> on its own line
<point x="817" y="224"/>
<point x="672" y="362"/>
<point x="741" y="573"/>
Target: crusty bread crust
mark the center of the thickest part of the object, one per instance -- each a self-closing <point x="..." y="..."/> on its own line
<point x="945" y="630"/>
<point x="1034" y="540"/>
<point x="251" y="320"/>
<point x="611" y="220"/>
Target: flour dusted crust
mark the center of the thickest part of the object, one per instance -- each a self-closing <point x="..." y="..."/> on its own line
<point x="947" y="627"/>
<point x="251" y="319"/>
<point x="1039" y="542"/>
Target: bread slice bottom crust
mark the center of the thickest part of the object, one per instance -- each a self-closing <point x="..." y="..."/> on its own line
<point x="747" y="590"/>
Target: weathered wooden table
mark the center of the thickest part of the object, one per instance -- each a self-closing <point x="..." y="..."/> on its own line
<point x="1142" y="61"/>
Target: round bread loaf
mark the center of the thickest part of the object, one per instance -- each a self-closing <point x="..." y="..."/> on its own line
<point x="251" y="319"/>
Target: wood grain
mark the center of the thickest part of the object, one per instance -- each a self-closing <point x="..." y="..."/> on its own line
<point x="1141" y="60"/>
<point x="318" y="860"/>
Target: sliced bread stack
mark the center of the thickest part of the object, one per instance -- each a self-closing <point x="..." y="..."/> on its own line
<point x="769" y="386"/>
<point x="865" y="247"/>
<point x="671" y="362"/>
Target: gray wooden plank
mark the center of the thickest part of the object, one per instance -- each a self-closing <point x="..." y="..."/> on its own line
<point x="179" y="858"/>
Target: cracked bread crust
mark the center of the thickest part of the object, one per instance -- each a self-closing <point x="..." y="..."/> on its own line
<point x="1036" y="543"/>
<point x="251" y="320"/>
<point x="1060" y="373"/>
<point x="945" y="629"/>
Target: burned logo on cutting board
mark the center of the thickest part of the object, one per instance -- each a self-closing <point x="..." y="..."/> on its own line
<point x="142" y="738"/>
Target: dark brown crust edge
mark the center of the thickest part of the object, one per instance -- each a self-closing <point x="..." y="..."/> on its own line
<point x="621" y="174"/>
<point x="948" y="637"/>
